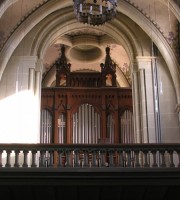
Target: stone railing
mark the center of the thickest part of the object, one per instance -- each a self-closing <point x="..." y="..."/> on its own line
<point x="89" y="156"/>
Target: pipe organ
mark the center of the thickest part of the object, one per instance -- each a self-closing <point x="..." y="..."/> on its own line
<point x="86" y="107"/>
<point x="86" y="125"/>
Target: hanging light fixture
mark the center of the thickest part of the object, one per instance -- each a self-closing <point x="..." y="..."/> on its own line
<point x="95" y="12"/>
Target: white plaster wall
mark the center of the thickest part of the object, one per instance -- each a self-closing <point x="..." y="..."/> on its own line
<point x="18" y="105"/>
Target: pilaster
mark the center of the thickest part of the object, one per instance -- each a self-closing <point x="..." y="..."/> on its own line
<point x="146" y="94"/>
<point x="136" y="108"/>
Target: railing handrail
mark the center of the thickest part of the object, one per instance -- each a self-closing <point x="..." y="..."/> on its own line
<point x="35" y="146"/>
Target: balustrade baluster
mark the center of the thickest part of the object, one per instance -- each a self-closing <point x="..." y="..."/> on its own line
<point x="111" y="158"/>
<point x="60" y="158"/>
<point x="100" y="158"/>
<point x="120" y="158"/>
<point x="146" y="163"/>
<point x="128" y="158"/>
<point x="76" y="158"/>
<point x="154" y="158"/>
<point x="103" y="160"/>
<point x="16" y="164"/>
<point x="51" y="158"/>
<point x="42" y="158"/>
<point x="94" y="159"/>
<point x="81" y="158"/>
<point x="137" y="164"/>
<point x="1" y="151"/>
<point x="90" y="158"/>
<point x="85" y="158"/>
<point x="68" y="158"/>
<point x="171" y="158"/>
<point x="25" y="152"/>
<point x="163" y="164"/>
<point x="33" y="152"/>
<point x="178" y="152"/>
<point x="8" y="164"/>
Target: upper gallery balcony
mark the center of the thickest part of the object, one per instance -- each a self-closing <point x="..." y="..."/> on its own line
<point x="106" y="171"/>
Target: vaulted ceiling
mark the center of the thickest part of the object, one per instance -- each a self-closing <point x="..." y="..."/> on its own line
<point x="47" y="24"/>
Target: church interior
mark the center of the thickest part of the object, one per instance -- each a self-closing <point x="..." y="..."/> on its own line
<point x="90" y="99"/>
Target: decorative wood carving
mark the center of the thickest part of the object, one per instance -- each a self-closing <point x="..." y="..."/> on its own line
<point x="105" y="78"/>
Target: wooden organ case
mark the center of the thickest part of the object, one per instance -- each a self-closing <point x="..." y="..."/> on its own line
<point x="86" y="107"/>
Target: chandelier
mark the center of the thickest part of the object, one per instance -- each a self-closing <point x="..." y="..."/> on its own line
<point x="95" y="12"/>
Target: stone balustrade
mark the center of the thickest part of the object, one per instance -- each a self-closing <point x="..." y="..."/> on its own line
<point x="89" y="156"/>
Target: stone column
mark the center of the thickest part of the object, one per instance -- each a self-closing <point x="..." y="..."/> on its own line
<point x="146" y="98"/>
<point x="31" y="80"/>
<point x="136" y="108"/>
<point x="37" y="91"/>
<point x="178" y="111"/>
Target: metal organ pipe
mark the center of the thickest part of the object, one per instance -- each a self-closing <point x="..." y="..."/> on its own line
<point x="86" y="125"/>
<point x="86" y="122"/>
<point x="46" y="127"/>
<point x="89" y="124"/>
<point x="127" y="133"/>
<point x="62" y="128"/>
<point x="93" y="126"/>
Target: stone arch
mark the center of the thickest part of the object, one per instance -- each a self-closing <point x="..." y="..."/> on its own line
<point x="35" y="18"/>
